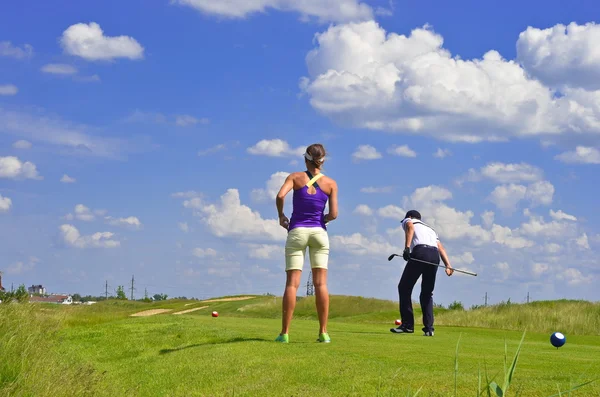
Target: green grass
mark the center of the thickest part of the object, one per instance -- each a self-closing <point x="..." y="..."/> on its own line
<point x="100" y="350"/>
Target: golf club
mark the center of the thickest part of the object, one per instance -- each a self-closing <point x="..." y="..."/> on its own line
<point x="435" y="264"/>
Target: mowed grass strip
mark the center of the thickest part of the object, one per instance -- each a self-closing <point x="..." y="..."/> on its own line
<point x="193" y="355"/>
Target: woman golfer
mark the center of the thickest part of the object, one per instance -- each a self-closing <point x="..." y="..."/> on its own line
<point x="307" y="229"/>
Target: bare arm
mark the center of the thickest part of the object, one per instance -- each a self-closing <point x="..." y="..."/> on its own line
<point x="445" y="258"/>
<point x="279" y="200"/>
<point x="333" y="203"/>
<point x="410" y="232"/>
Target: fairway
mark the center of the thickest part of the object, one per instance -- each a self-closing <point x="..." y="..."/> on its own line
<point x="194" y="354"/>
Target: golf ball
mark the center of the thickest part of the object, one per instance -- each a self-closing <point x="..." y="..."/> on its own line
<point x="397" y="322"/>
<point x="557" y="339"/>
<point x="215" y="314"/>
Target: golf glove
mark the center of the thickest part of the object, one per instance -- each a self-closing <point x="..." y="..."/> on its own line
<point x="406" y="254"/>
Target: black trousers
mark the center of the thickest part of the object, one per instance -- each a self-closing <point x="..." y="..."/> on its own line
<point x="412" y="271"/>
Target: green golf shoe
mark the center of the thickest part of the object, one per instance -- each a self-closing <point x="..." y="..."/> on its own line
<point x="283" y="338"/>
<point x="324" y="338"/>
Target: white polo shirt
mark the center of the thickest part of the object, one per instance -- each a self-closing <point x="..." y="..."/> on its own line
<point x="424" y="234"/>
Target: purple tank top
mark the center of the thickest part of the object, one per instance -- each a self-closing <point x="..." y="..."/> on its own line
<point x="308" y="208"/>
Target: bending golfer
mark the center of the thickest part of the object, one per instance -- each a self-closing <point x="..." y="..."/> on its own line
<point x="307" y="229"/>
<point x="423" y="243"/>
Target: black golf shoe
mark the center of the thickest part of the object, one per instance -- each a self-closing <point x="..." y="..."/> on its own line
<point x="402" y="330"/>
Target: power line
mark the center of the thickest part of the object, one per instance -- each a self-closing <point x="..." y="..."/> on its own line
<point x="310" y="288"/>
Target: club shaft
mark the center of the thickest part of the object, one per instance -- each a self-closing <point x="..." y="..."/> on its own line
<point x="438" y="265"/>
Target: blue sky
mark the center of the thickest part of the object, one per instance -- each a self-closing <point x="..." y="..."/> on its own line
<point x="150" y="138"/>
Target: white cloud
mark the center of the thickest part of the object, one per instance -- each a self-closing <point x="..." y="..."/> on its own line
<point x="373" y="189"/>
<point x="8" y="89"/>
<point x="274" y="148"/>
<point x="11" y="51"/>
<point x="506" y="197"/>
<point x="130" y="221"/>
<point x="488" y="218"/>
<point x="266" y="251"/>
<point x="59" y="68"/>
<point x="442" y="153"/>
<point x="323" y="10"/>
<point x="504" y="268"/>
<point x="362" y="76"/>
<point x="89" y="42"/>
<point x="22" y="267"/>
<point x="73" y="238"/>
<point x="71" y="138"/>
<point x="230" y="218"/>
<point x="560" y="215"/>
<point x="204" y="252"/>
<point x="357" y="244"/>
<point x="574" y="277"/>
<point x="213" y="149"/>
<point x="189" y="194"/>
<point x="505" y="236"/>
<point x="22" y="144"/>
<point x="363" y="209"/>
<point x="82" y="213"/>
<point x="562" y="55"/>
<point x="506" y="173"/>
<point x="465" y="258"/>
<point x="392" y="212"/>
<point x="552" y="248"/>
<point x="13" y="168"/>
<point x="403" y="151"/>
<point x="67" y="179"/>
<point x="539" y="268"/>
<point x="5" y="204"/>
<point x="537" y="227"/>
<point x="583" y="242"/>
<point x="186" y="120"/>
<point x="272" y="188"/>
<point x="581" y="155"/>
<point x="183" y="226"/>
<point x="366" y="152"/>
<point x="540" y="193"/>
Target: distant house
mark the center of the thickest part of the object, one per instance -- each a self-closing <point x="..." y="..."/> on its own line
<point x="58" y="299"/>
<point x="37" y="289"/>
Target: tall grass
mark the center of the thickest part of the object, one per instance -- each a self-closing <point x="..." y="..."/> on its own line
<point x="570" y="317"/>
<point x="29" y="365"/>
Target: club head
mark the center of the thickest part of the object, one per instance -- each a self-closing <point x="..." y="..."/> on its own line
<point x="391" y="257"/>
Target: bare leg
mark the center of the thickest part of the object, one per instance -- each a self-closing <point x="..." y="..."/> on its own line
<point x="322" y="295"/>
<point x="289" y="299"/>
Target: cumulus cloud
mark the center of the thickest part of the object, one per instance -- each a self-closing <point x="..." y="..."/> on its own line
<point x="362" y="76"/>
<point x="442" y="153"/>
<point x="363" y="209"/>
<point x="185" y="120"/>
<point x="67" y="179"/>
<point x="7" y="49"/>
<point x="271" y="189"/>
<point x="230" y="218"/>
<point x="488" y="218"/>
<point x="59" y="68"/>
<point x="73" y="238"/>
<point x="506" y="173"/>
<point x="214" y="149"/>
<point x="265" y="251"/>
<point x="581" y="155"/>
<point x="274" y="148"/>
<point x="402" y="151"/>
<point x="22" y="144"/>
<point x="130" y="222"/>
<point x="5" y="204"/>
<point x="574" y="277"/>
<point x="13" y="168"/>
<point x="357" y="244"/>
<point x="583" y="242"/>
<point x="8" y="89"/>
<point x="560" y="215"/>
<point x="322" y="10"/>
<point x="89" y="42"/>
<point x="507" y="197"/>
<point x="392" y="212"/>
<point x="365" y="152"/>
<point x="562" y="54"/>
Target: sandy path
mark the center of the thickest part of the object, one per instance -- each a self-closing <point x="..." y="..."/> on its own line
<point x="191" y="310"/>
<point x="238" y="298"/>
<point x="152" y="312"/>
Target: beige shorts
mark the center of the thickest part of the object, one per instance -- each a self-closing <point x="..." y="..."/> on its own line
<point x="298" y="239"/>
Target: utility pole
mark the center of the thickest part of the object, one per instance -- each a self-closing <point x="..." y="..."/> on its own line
<point x="310" y="288"/>
<point x="12" y="287"/>
<point x="145" y="293"/>
<point x="106" y="290"/>
<point x="486" y="299"/>
<point x="527" y="296"/>
<point x="132" y="280"/>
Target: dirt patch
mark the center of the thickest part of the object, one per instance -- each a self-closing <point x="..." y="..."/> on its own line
<point x="152" y="312"/>
<point x="237" y="298"/>
<point x="191" y="310"/>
